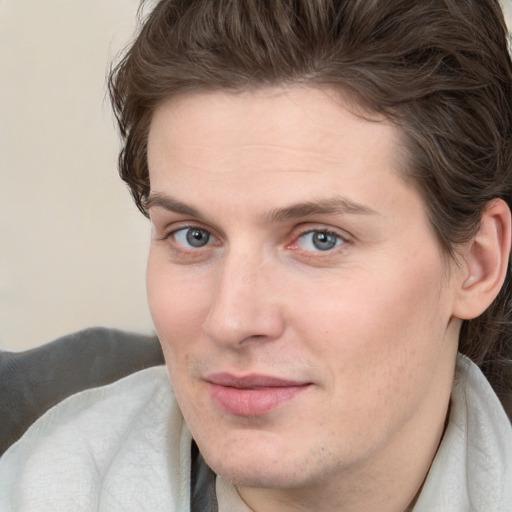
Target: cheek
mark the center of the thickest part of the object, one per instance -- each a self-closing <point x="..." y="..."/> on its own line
<point x="373" y="319"/>
<point x="379" y="342"/>
<point x="178" y="307"/>
<point x="178" y="304"/>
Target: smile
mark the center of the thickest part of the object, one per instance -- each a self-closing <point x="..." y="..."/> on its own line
<point x="253" y="395"/>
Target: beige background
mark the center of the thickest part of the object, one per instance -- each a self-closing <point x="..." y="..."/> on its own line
<point x="72" y="245"/>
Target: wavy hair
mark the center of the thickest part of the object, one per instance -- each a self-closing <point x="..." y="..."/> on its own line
<point x="440" y="70"/>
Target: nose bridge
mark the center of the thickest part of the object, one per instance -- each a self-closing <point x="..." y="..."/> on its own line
<point x="245" y="305"/>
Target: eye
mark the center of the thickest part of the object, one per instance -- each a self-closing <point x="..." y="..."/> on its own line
<point x="319" y="241"/>
<point x="192" y="237"/>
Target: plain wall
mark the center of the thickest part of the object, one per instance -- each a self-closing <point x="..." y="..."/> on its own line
<point x="72" y="244"/>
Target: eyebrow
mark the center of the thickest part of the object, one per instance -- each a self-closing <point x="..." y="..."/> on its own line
<point x="332" y="206"/>
<point x="171" y="204"/>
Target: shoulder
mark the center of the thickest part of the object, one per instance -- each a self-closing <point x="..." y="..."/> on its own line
<point x="108" y="447"/>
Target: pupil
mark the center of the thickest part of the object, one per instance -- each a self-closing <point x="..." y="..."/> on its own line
<point x="197" y="237"/>
<point x="324" y="241"/>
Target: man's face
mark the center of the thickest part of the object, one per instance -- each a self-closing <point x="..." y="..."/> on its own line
<point x="301" y="298"/>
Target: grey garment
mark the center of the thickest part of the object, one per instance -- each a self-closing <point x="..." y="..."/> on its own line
<point x="33" y="381"/>
<point x="203" y="496"/>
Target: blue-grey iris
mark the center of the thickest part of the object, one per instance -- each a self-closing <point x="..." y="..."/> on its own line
<point x="197" y="237"/>
<point x="324" y="241"/>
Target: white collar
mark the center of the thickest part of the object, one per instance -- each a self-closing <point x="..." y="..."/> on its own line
<point x="472" y="470"/>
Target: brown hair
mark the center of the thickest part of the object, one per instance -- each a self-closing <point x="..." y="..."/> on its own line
<point x="440" y="70"/>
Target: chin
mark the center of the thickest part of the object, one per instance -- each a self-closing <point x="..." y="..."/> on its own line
<point x="268" y="476"/>
<point x="265" y="463"/>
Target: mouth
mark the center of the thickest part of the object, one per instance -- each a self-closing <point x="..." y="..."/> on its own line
<point x="252" y="395"/>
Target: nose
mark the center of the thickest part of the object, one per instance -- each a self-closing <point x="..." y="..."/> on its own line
<point x="245" y="304"/>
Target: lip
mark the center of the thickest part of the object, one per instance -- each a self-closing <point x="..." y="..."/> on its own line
<point x="252" y="395"/>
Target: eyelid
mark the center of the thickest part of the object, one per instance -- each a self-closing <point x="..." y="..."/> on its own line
<point x="304" y="229"/>
<point x="169" y="229"/>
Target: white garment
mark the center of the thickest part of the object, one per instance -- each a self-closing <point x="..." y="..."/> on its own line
<point x="472" y="470"/>
<point x="121" y="447"/>
<point x="125" y="447"/>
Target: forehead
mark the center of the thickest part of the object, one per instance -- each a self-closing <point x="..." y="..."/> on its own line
<point x="264" y="114"/>
<point x="282" y="145"/>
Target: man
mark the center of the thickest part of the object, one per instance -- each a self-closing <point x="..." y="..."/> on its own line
<point x="328" y="185"/>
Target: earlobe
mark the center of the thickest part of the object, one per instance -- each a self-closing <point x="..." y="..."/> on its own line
<point x="485" y="262"/>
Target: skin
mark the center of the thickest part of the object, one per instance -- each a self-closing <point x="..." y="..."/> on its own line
<point x="369" y="324"/>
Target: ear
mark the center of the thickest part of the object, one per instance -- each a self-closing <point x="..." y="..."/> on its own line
<point x="485" y="262"/>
